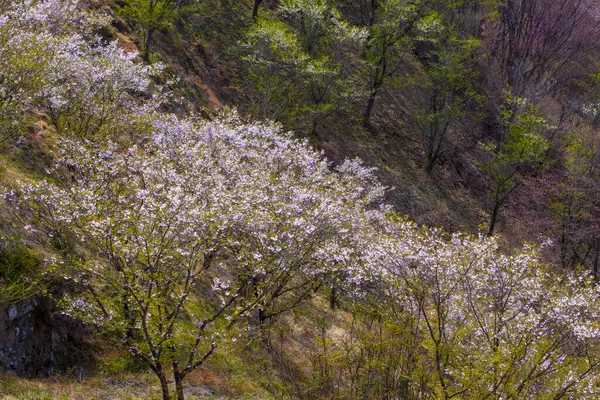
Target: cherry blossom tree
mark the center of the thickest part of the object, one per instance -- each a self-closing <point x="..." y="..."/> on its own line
<point x="142" y="227"/>
<point x="491" y="325"/>
<point x="52" y="62"/>
<point x="28" y="30"/>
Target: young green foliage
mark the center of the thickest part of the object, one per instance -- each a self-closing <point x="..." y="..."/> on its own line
<point x="310" y="45"/>
<point x="388" y="41"/>
<point x="521" y="146"/>
<point x="150" y="16"/>
<point x="574" y="203"/>
<point x="448" y="81"/>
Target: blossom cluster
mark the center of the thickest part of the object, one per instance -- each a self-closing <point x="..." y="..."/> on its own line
<point x="52" y="61"/>
<point x="505" y="324"/>
<point x="255" y="205"/>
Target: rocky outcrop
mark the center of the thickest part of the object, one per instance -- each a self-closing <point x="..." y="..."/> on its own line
<point x="36" y="340"/>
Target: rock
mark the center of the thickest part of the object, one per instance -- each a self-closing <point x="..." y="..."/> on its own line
<point x="12" y="313"/>
<point x="36" y="340"/>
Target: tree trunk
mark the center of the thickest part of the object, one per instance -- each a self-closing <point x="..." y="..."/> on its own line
<point x="262" y="316"/>
<point x="494" y="218"/>
<point x="596" y="264"/>
<point x="432" y="159"/>
<point x="146" y="54"/>
<point x="369" y="109"/>
<point x="130" y="317"/>
<point x="264" y="333"/>
<point x="563" y="249"/>
<point x="178" y="381"/>
<point x="164" y="385"/>
<point x="374" y="6"/>
<point x="333" y="298"/>
<point x="255" y="9"/>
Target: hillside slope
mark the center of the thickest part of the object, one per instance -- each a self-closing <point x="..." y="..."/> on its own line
<point x="149" y="234"/>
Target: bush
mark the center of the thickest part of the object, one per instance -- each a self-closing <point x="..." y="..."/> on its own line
<point x="19" y="273"/>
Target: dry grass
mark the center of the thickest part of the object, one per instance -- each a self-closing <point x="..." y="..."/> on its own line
<point x="138" y="386"/>
<point x="235" y="372"/>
